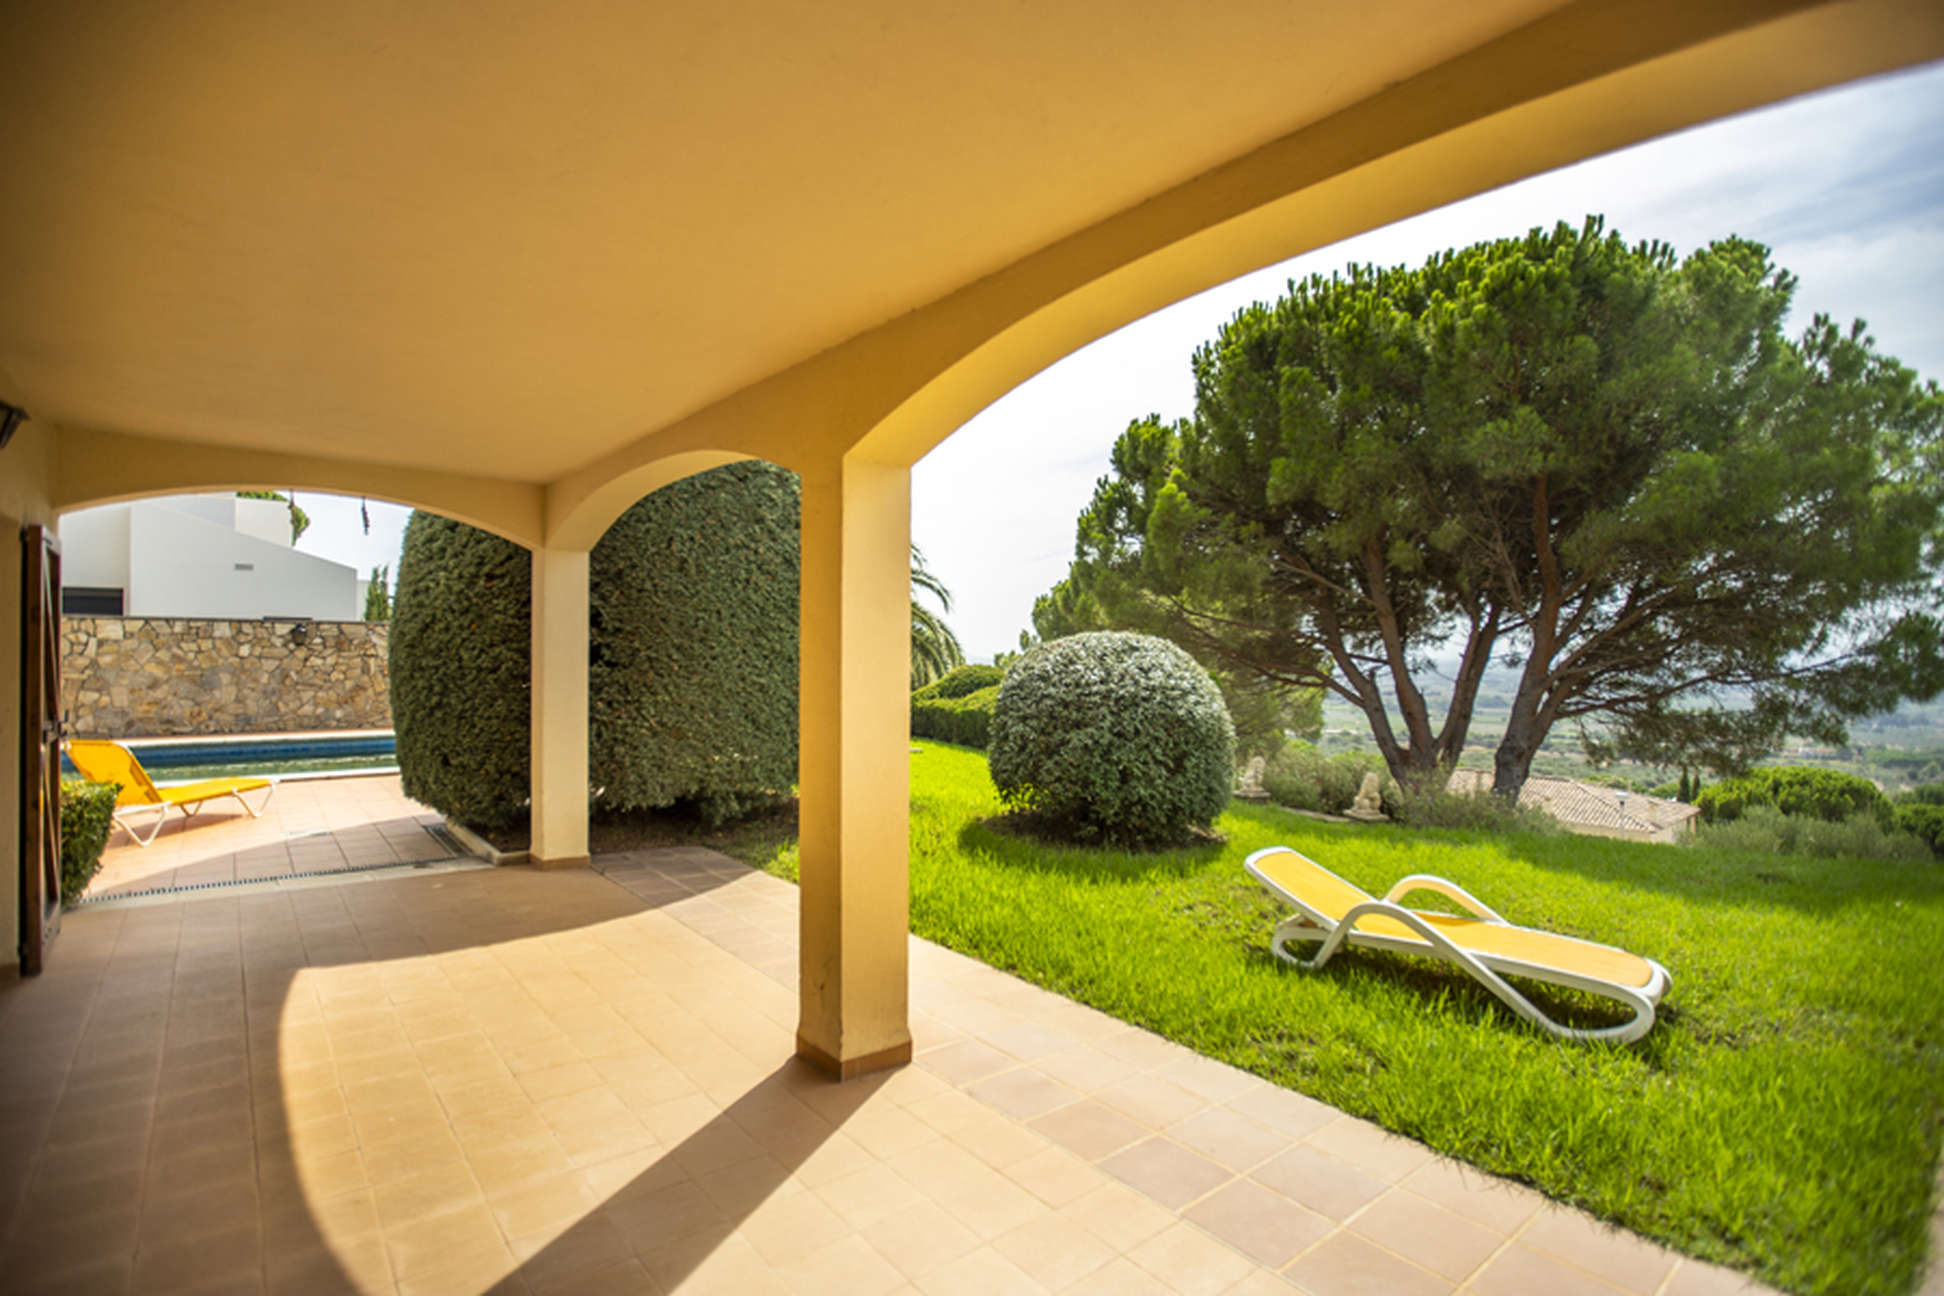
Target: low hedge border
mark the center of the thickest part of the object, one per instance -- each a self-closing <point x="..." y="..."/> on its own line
<point x="87" y="817"/>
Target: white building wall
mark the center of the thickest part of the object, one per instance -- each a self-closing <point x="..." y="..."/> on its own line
<point x="267" y="520"/>
<point x="94" y="547"/>
<point x="183" y="566"/>
<point x="217" y="509"/>
<point x="184" y="556"/>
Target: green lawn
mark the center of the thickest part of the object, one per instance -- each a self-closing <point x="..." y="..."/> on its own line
<point x="1783" y="1117"/>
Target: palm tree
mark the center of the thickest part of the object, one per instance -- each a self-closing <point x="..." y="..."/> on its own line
<point x="934" y="648"/>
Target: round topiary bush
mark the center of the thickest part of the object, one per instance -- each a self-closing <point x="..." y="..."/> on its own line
<point x="1113" y="737"/>
<point x="692" y="645"/>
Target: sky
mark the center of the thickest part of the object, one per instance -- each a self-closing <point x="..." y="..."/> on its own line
<point x="1846" y="187"/>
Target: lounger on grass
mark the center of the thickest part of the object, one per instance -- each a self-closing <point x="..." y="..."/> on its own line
<point x="110" y="762"/>
<point x="1331" y="910"/>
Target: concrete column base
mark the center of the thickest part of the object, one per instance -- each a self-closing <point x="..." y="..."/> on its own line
<point x="882" y="1060"/>
<point x="559" y="862"/>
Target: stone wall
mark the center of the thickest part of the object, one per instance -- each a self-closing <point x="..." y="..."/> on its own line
<point x="140" y="677"/>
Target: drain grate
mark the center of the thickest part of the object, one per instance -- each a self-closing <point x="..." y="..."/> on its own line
<point x="189" y="888"/>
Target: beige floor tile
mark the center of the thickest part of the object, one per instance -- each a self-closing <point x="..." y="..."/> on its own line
<point x="1022" y="1093"/>
<point x="1370" y="1148"/>
<point x="1118" y="1216"/>
<point x="183" y="1211"/>
<point x="1697" y="1278"/>
<point x="740" y="1188"/>
<point x="787" y="1228"/>
<point x="1151" y="1100"/>
<point x="848" y="1267"/>
<point x="180" y="1265"/>
<point x="867" y="1196"/>
<point x="1091" y="1129"/>
<point x="703" y="1267"/>
<point x="886" y="1131"/>
<point x="1620" y="1258"/>
<point x="549" y="1205"/>
<point x="1189" y="1261"/>
<point x="481" y="1269"/>
<point x="983" y="1272"/>
<point x="1262" y="1282"/>
<point x="1427" y="1234"/>
<point x="657" y="1219"/>
<point x="1521" y="1271"/>
<point x="1084" y="1067"/>
<point x="553" y="1261"/>
<point x="998" y="1141"/>
<point x="920" y="1238"/>
<point x="1344" y="1264"/>
<point x="1228" y="1138"/>
<point x="1263" y="1225"/>
<point x="1120" y="1277"/>
<point x="1322" y="1183"/>
<point x="433" y="1192"/>
<point x="1055" y="1176"/>
<point x="1166" y="1171"/>
<point x="1052" y="1252"/>
<point x="358" y="1264"/>
<point x="1495" y="1203"/>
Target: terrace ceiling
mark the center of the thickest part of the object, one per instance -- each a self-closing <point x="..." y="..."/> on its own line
<point x="512" y="238"/>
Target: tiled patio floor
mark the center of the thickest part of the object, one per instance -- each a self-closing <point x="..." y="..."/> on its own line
<point x="309" y="825"/>
<point x="517" y="1081"/>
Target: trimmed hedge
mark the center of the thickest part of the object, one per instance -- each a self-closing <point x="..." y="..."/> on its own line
<point x="693" y="594"/>
<point x="692" y="642"/>
<point x="965" y="720"/>
<point x="460" y="656"/>
<point x="1823" y="794"/>
<point x="1113" y="737"/>
<point x="87" y="817"/>
<point x="962" y="681"/>
<point x="958" y="707"/>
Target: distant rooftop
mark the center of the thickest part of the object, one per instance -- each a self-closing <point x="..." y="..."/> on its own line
<point x="1578" y="804"/>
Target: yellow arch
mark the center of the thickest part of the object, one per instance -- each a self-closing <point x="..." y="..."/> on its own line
<point x="92" y="467"/>
<point x="1581" y="81"/>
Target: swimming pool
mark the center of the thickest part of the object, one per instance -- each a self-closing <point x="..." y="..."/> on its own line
<point x="186" y="760"/>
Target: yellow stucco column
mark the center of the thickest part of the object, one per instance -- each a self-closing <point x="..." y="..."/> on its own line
<point x="855" y="766"/>
<point x="559" y="751"/>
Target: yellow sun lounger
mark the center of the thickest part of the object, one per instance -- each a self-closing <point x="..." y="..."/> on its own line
<point x="1333" y="911"/>
<point x="110" y="762"/>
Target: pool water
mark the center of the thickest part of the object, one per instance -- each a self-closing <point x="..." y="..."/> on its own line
<point x="292" y="765"/>
<point x="241" y="756"/>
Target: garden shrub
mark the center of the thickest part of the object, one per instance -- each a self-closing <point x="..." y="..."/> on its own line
<point x="1794" y="790"/>
<point x="966" y="720"/>
<point x="693" y="594"/>
<point x="87" y="817"/>
<point x="1303" y="778"/>
<point x="961" y="681"/>
<point x="1763" y="827"/>
<point x="1481" y="811"/>
<point x="1924" y="821"/>
<point x="1113" y="737"/>
<point x="692" y="643"/>
<point x="460" y="651"/>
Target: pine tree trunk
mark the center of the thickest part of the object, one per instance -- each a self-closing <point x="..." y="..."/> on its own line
<point x="1512" y="764"/>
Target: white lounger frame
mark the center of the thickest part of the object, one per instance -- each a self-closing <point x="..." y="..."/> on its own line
<point x="124" y="813"/>
<point x="1310" y="926"/>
